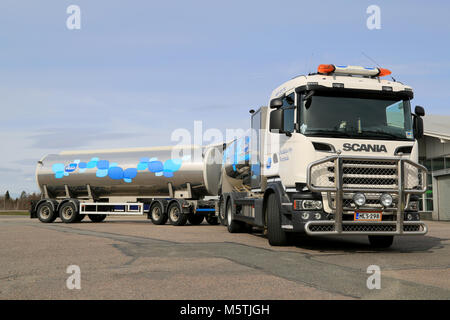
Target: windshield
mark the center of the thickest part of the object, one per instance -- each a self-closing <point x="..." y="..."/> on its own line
<point x="356" y="117"/>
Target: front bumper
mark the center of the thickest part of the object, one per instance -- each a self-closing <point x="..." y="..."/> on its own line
<point x="366" y="228"/>
<point x="337" y="175"/>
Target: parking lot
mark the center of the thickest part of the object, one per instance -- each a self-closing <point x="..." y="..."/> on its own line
<point x="130" y="258"/>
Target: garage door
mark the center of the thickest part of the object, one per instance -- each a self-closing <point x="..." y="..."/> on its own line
<point x="443" y="183"/>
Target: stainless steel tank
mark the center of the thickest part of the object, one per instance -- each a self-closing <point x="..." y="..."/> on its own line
<point x="141" y="172"/>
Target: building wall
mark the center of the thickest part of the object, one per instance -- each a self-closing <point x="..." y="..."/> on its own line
<point x="435" y="155"/>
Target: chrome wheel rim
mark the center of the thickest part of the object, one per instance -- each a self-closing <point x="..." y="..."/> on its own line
<point x="174" y="214"/>
<point x="156" y="213"/>
<point x="44" y="212"/>
<point x="229" y="214"/>
<point x="67" y="212"/>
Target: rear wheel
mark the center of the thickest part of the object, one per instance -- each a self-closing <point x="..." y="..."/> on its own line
<point x="45" y="213"/>
<point x="97" y="217"/>
<point x="195" y="219"/>
<point x="68" y="212"/>
<point x="381" y="241"/>
<point x="222" y="212"/>
<point x="176" y="217"/>
<point x="157" y="214"/>
<point x="232" y="225"/>
<point x="212" y="220"/>
<point x="276" y="235"/>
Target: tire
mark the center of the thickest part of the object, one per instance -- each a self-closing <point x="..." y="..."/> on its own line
<point x="195" y="219"/>
<point x="45" y="213"/>
<point x="212" y="220"/>
<point x="97" y="217"/>
<point x="233" y="226"/>
<point x="68" y="213"/>
<point x="157" y="214"/>
<point x="176" y="217"/>
<point x="276" y="235"/>
<point x="381" y="241"/>
<point x="222" y="213"/>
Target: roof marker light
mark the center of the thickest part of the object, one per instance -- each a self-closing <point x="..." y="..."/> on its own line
<point x="326" y="68"/>
<point x="352" y="70"/>
<point x="383" y="72"/>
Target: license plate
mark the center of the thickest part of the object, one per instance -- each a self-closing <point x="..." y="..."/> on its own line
<point x="367" y="216"/>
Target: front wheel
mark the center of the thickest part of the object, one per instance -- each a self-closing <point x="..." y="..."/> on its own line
<point x="276" y="235"/>
<point x="381" y="241"/>
<point x="97" y="217"/>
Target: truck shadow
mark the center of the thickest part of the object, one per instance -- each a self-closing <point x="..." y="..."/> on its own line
<point x="357" y="243"/>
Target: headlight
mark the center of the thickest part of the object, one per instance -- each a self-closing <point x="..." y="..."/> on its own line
<point x="386" y="199"/>
<point x="359" y="199"/>
<point x="311" y="204"/>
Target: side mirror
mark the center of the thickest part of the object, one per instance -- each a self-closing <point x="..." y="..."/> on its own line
<point x="276" y="121"/>
<point x="418" y="127"/>
<point x="420" y="111"/>
<point x="276" y="103"/>
<point x="308" y="99"/>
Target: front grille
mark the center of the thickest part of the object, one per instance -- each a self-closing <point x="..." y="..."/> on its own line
<point x="364" y="228"/>
<point x="322" y="228"/>
<point x="368" y="228"/>
<point x="369" y="174"/>
<point x="411" y="228"/>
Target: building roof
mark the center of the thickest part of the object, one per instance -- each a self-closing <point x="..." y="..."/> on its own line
<point x="437" y="126"/>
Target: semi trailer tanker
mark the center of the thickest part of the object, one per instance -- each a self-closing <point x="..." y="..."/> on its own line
<point x="333" y="153"/>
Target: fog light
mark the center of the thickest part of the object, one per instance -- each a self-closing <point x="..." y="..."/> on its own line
<point x="409" y="217"/>
<point x="386" y="199"/>
<point x="359" y="199"/>
<point x="318" y="216"/>
<point x="305" y="215"/>
<point x="413" y="206"/>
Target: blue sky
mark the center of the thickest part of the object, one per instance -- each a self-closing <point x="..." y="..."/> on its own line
<point x="137" y="70"/>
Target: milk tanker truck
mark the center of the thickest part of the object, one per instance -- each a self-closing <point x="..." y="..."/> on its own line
<point x="334" y="153"/>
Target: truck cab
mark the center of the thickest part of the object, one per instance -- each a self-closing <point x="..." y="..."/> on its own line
<point x="334" y="152"/>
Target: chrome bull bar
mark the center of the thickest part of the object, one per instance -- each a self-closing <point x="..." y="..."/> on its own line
<point x="340" y="174"/>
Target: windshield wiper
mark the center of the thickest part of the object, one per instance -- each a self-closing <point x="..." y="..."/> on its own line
<point x="330" y="132"/>
<point x="380" y="133"/>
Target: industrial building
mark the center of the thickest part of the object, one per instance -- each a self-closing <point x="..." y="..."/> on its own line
<point x="434" y="153"/>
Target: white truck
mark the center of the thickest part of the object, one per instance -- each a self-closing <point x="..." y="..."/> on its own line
<point x="335" y="152"/>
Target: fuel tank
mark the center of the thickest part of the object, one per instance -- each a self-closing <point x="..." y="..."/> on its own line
<point x="140" y="172"/>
